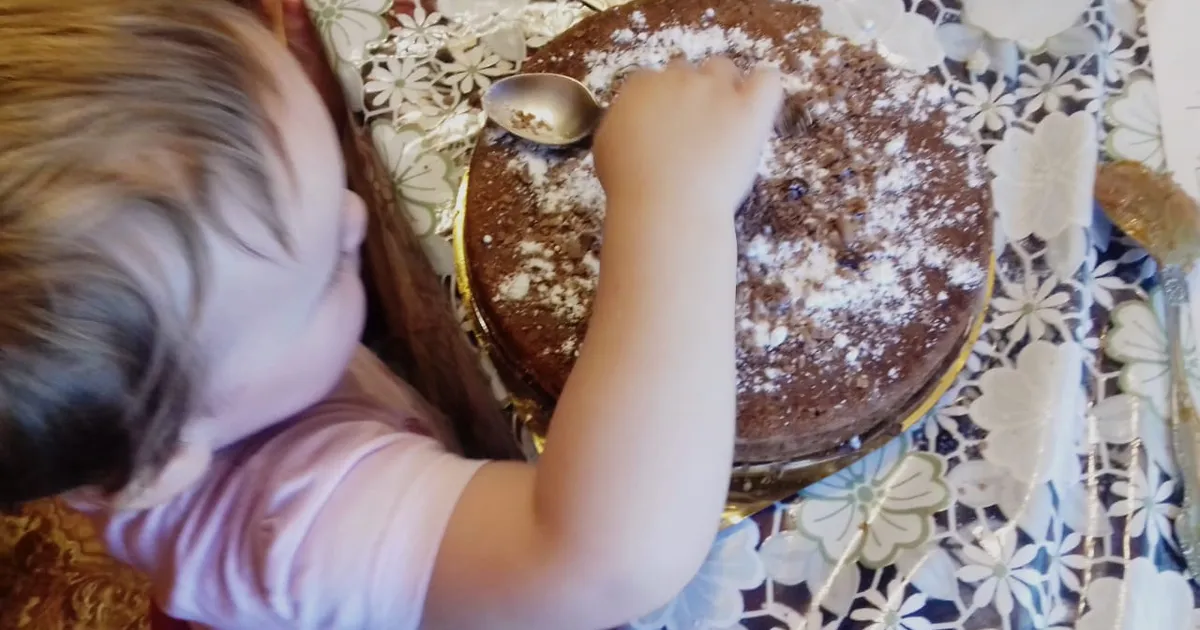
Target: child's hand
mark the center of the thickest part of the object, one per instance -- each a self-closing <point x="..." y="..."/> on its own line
<point x="687" y="135"/>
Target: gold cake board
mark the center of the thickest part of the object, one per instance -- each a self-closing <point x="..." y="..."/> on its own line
<point x="753" y="487"/>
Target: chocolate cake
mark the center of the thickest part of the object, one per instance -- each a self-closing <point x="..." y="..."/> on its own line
<point x="863" y="248"/>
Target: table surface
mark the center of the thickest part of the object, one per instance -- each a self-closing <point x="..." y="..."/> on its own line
<point x="1041" y="493"/>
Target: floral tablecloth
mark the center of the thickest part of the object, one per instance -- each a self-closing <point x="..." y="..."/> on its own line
<point x="1041" y="493"/>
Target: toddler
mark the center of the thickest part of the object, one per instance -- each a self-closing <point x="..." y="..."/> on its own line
<point x="179" y="342"/>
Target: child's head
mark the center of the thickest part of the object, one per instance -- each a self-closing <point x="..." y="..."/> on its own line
<point x="178" y="253"/>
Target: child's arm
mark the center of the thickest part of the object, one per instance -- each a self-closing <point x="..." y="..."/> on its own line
<point x="625" y="503"/>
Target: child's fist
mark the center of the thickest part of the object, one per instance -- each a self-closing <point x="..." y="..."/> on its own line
<point x="688" y="136"/>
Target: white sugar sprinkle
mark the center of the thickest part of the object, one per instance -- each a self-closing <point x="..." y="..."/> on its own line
<point x="515" y="287"/>
<point x="822" y="294"/>
<point x="896" y="145"/>
<point x="655" y="49"/>
<point x="564" y="190"/>
<point x="592" y="263"/>
<point x="966" y="274"/>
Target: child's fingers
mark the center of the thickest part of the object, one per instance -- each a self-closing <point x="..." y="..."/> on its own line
<point x="679" y="63"/>
<point x="721" y="67"/>
<point x="764" y="91"/>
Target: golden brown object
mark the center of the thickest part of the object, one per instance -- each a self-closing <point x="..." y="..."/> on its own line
<point x="1152" y="209"/>
<point x="1164" y="220"/>
<point x="54" y="574"/>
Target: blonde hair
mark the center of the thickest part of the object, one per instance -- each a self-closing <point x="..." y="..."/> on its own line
<point x="110" y="111"/>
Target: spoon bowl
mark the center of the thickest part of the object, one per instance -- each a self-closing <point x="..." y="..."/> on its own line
<point x="550" y="109"/>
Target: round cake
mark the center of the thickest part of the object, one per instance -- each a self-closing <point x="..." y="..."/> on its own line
<point x="863" y="248"/>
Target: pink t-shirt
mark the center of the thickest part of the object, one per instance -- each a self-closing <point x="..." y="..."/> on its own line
<point x="330" y="520"/>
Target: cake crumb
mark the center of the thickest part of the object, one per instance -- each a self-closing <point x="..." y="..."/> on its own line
<point x="528" y="122"/>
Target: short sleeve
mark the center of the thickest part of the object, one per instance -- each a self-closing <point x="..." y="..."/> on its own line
<point x="360" y="552"/>
<point x="331" y="522"/>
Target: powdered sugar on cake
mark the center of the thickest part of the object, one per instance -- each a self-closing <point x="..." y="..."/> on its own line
<point x="564" y="288"/>
<point x="842" y="287"/>
<point x="656" y="49"/>
<point x="563" y="183"/>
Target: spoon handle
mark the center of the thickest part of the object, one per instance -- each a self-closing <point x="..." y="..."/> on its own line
<point x="1185" y="422"/>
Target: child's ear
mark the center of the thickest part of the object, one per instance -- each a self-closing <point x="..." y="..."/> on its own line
<point x="185" y="468"/>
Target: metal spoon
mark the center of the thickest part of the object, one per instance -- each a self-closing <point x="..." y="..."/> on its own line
<point x="1165" y="221"/>
<point x="545" y="108"/>
<point x="553" y="109"/>
<point x="557" y="110"/>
